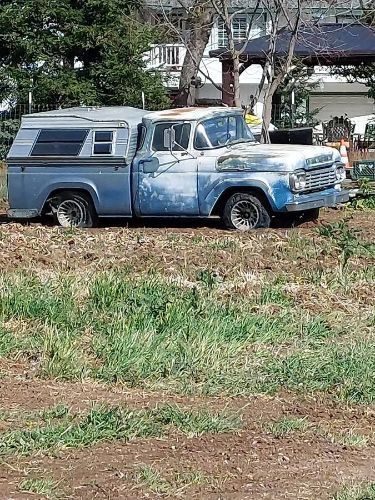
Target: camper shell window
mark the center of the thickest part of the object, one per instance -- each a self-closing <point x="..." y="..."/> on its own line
<point x="103" y="142"/>
<point x="59" y="142"/>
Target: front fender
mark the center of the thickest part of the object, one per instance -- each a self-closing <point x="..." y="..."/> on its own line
<point x="269" y="191"/>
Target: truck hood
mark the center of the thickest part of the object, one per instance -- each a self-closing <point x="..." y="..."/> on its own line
<point x="276" y="157"/>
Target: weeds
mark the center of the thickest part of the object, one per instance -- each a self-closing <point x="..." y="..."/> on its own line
<point x="287" y="425"/>
<point x="105" y="423"/>
<point x="56" y="412"/>
<point x="45" y="486"/>
<point x="194" y="423"/>
<point x="347" y="241"/>
<point x="367" y="200"/>
<point x="363" y="491"/>
<point x="149" y="477"/>
<point x="350" y="439"/>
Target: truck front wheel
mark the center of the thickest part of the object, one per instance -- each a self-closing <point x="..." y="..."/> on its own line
<point x="73" y="209"/>
<point x="245" y="211"/>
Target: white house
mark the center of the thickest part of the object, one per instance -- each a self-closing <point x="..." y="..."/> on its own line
<point x="333" y="95"/>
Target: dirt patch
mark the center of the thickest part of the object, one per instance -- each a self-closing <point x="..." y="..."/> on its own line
<point x="248" y="465"/>
<point x="171" y="249"/>
<point x="22" y="395"/>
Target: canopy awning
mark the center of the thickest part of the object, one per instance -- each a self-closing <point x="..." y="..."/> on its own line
<point x="320" y="45"/>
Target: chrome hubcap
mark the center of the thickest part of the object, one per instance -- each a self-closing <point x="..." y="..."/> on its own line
<point x="70" y="213"/>
<point x="245" y="215"/>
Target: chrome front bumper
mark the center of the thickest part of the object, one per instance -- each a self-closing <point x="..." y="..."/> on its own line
<point x="317" y="200"/>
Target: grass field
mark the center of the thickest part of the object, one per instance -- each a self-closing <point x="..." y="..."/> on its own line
<point x="188" y="362"/>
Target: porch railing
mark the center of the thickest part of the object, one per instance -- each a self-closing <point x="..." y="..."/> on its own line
<point x="166" y="57"/>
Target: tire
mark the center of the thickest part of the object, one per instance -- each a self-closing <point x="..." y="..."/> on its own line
<point x="243" y="212"/>
<point x="73" y="209"/>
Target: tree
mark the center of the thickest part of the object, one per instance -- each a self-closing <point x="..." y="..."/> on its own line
<point x="198" y="20"/>
<point x="222" y="8"/>
<point x="286" y="15"/>
<point x="280" y="13"/>
<point x="293" y="94"/>
<point x="71" y="52"/>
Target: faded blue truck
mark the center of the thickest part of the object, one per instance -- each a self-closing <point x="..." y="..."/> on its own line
<point x="80" y="164"/>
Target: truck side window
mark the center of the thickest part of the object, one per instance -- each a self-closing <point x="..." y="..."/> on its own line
<point x="59" y="142"/>
<point x="182" y="136"/>
<point x="103" y="142"/>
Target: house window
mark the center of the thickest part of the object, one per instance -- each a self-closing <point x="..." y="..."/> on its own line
<point x="103" y="142"/>
<point x="59" y="142"/>
<point x="240" y="28"/>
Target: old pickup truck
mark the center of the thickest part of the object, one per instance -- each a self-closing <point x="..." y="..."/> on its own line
<point x="82" y="163"/>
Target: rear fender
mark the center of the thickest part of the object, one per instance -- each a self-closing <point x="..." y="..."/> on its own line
<point x="83" y="185"/>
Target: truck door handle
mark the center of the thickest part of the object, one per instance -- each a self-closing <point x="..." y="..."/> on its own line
<point x="149" y="165"/>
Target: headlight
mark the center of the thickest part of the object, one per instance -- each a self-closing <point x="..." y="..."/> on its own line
<point x="340" y="173"/>
<point x="298" y="180"/>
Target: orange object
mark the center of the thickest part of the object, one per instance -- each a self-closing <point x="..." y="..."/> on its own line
<point x="344" y="154"/>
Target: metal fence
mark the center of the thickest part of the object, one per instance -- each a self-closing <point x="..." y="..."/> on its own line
<point x="10" y="119"/>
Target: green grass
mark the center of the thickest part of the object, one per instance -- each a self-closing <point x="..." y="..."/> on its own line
<point x="150" y="478"/>
<point x="149" y="333"/>
<point x="287" y="425"/>
<point x="363" y="491"/>
<point x="105" y="423"/>
<point x="290" y="425"/>
<point x="46" y="487"/>
<point x="344" y="369"/>
<point x="58" y="411"/>
<point x="350" y="439"/>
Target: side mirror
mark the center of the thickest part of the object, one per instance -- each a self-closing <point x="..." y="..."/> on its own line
<point x="169" y="138"/>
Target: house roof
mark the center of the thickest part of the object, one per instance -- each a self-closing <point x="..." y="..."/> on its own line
<point x="323" y="44"/>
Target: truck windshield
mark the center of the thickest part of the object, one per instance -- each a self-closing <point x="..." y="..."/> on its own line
<point x="222" y="131"/>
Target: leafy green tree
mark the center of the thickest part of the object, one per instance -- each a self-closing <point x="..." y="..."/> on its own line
<point x="362" y="73"/>
<point x="288" y="114"/>
<point x="72" y="52"/>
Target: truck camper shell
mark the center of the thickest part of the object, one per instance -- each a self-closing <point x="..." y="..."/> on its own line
<point x="82" y="132"/>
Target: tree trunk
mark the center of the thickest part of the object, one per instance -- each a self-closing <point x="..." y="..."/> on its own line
<point x="267" y="114"/>
<point x="199" y="25"/>
<point x="236" y="81"/>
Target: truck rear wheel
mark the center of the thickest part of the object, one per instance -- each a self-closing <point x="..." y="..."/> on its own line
<point x="244" y="212"/>
<point x="73" y="209"/>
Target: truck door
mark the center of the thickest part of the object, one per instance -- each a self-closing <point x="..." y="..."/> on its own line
<point x="167" y="180"/>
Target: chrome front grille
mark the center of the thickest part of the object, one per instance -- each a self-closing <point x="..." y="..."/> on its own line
<point x="320" y="178"/>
